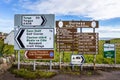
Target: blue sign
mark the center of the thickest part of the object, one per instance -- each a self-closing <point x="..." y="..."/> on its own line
<point x="51" y="54"/>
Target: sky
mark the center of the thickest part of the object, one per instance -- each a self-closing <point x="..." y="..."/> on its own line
<point x="107" y="12"/>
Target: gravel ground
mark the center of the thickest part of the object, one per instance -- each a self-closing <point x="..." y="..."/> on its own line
<point x="112" y="75"/>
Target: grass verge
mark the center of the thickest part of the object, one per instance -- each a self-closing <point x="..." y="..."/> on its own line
<point x="27" y="74"/>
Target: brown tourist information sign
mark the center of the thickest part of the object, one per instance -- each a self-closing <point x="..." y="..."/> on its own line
<point x="88" y="43"/>
<point x="68" y="39"/>
<point x="39" y="54"/>
<point x="77" y="24"/>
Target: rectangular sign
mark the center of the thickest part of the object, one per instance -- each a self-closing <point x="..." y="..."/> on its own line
<point x="34" y="39"/>
<point x="109" y="50"/>
<point x="77" y="59"/>
<point x="77" y="24"/>
<point x="83" y="42"/>
<point x="64" y="39"/>
<point x="39" y="54"/>
<point x="88" y="43"/>
<point x="34" y="20"/>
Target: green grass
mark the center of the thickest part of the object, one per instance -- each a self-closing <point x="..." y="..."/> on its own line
<point x="66" y="55"/>
<point x="27" y="74"/>
<point x="88" y="58"/>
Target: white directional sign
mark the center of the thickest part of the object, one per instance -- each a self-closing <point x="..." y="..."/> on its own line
<point x="33" y="20"/>
<point x="77" y="59"/>
<point x="35" y="39"/>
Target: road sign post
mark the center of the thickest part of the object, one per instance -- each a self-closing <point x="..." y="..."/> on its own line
<point x="69" y="39"/>
<point x="34" y="32"/>
<point x="34" y="65"/>
<point x="18" y="59"/>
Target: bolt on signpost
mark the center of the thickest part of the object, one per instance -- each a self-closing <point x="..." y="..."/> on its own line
<point x="34" y="32"/>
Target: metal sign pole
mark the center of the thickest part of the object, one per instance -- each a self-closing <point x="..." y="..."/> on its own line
<point x="50" y="65"/>
<point x="95" y="54"/>
<point x="60" y="60"/>
<point x="81" y="67"/>
<point x="18" y="59"/>
<point x="34" y="65"/>
<point x="73" y="48"/>
<point x="115" y="56"/>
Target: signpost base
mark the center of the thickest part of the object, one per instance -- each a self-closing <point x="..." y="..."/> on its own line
<point x="60" y="61"/>
<point x="18" y="59"/>
<point x="94" y="62"/>
<point x="72" y="67"/>
<point x="50" y="65"/>
<point x="34" y="65"/>
<point x="81" y="67"/>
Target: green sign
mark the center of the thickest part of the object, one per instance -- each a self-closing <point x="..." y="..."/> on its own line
<point x="109" y="54"/>
<point x="109" y="50"/>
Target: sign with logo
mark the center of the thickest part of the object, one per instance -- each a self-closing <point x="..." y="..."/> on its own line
<point x="29" y="38"/>
<point x="77" y="24"/>
<point x="39" y="54"/>
<point x="77" y="59"/>
<point x="109" y="50"/>
<point x="34" y="20"/>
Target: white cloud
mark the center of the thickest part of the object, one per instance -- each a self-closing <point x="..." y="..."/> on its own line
<point x="6" y="25"/>
<point x="104" y="31"/>
<point x="109" y="31"/>
<point x="96" y="9"/>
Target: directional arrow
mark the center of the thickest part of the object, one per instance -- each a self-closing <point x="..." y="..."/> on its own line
<point x="44" y="20"/>
<point x="77" y="59"/>
<point x="82" y="59"/>
<point x="29" y="38"/>
<point x="19" y="40"/>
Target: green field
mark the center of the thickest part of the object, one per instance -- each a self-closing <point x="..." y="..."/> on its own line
<point x="8" y="50"/>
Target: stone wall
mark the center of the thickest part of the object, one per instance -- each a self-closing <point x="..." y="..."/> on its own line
<point x="6" y="63"/>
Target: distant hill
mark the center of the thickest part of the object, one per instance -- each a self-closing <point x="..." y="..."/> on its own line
<point x="116" y="39"/>
<point x="108" y="38"/>
<point x="105" y="38"/>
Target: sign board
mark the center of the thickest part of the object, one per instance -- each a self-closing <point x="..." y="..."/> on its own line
<point x="77" y="24"/>
<point x="77" y="59"/>
<point x="34" y="20"/>
<point x="109" y="50"/>
<point x="30" y="38"/>
<point x="69" y="40"/>
<point x="39" y="54"/>
<point x="88" y="43"/>
<point x="64" y="39"/>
